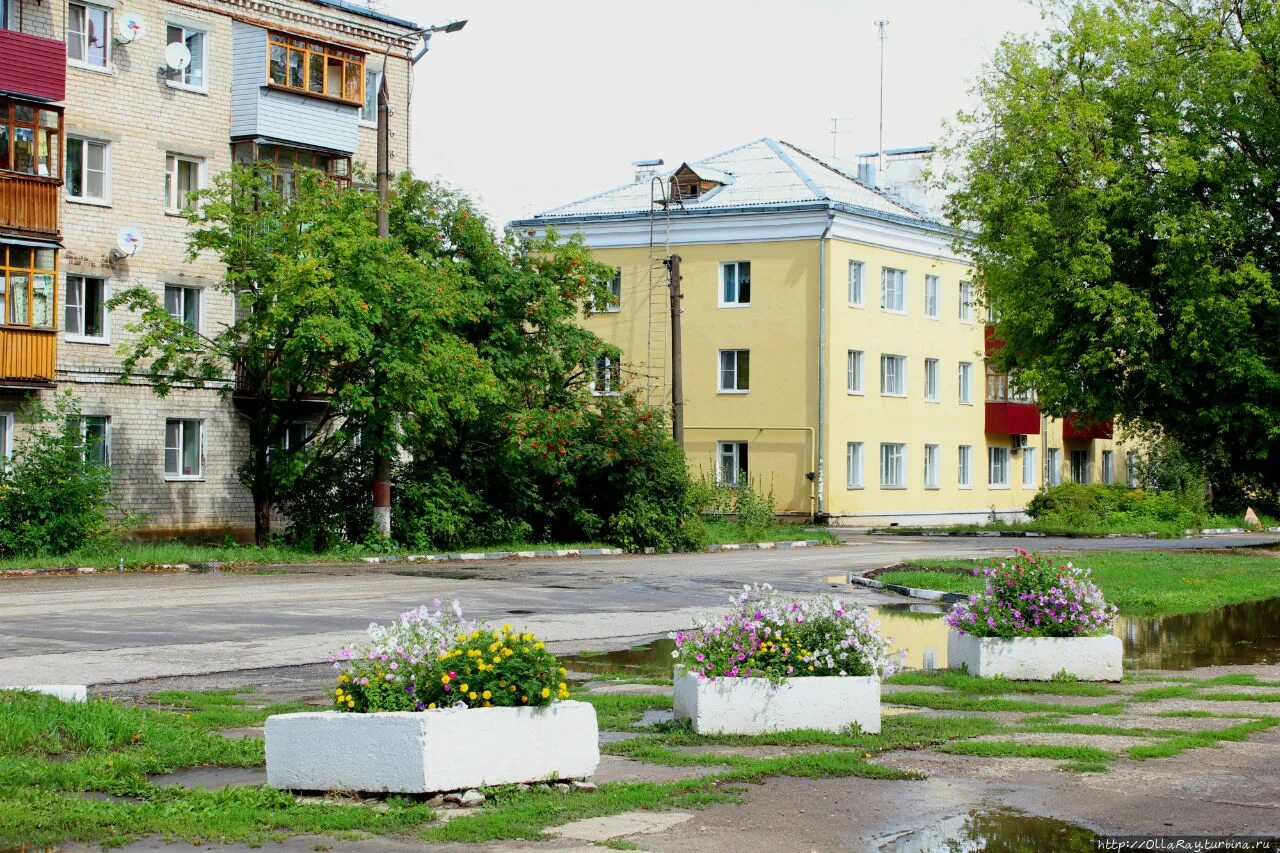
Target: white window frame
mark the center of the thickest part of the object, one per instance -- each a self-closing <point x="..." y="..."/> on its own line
<point x="857" y="284"/>
<point x="932" y="458"/>
<point x="108" y="34"/>
<point x="371" y="91"/>
<point x="1108" y="467"/>
<point x="614" y="304"/>
<point x="998" y="467"/>
<point x="899" y="375"/>
<point x="721" y="370"/>
<point x="893" y="465"/>
<point x="966" y="302"/>
<point x="964" y="466"/>
<point x="854" y="461"/>
<point x="1131" y="469"/>
<point x="612" y="372"/>
<point x="85" y="142"/>
<point x="898" y="305"/>
<point x="203" y="86"/>
<point x="855" y="371"/>
<point x="931" y="380"/>
<point x="80" y="337"/>
<point x="739" y="474"/>
<point x="83" y="422"/>
<point x="1053" y="466"/>
<point x="200" y="448"/>
<point x="181" y="315"/>
<point x="1028" y="467"/>
<point x="964" y="376"/>
<point x="7" y="436"/>
<point x="171" y="161"/>
<point x="736" y="302"/>
<point x="931" y="297"/>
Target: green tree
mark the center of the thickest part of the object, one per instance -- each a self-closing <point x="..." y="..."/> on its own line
<point x="323" y="306"/>
<point x="1120" y="183"/>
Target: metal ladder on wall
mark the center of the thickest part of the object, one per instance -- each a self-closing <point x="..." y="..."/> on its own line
<point x="658" y="379"/>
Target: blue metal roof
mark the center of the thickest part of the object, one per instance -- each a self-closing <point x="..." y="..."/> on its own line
<point x="366" y="12"/>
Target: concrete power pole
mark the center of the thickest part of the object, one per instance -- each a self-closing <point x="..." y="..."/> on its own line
<point x="677" y="378"/>
<point x="381" y="460"/>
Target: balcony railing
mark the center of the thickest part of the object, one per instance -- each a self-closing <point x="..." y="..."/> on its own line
<point x="29" y="204"/>
<point x="26" y="357"/>
<point x="32" y="66"/>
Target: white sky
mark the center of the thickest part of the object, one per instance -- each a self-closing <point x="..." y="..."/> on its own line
<point x="536" y="104"/>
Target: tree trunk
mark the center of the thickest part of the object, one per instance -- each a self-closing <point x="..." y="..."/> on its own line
<point x="261" y="520"/>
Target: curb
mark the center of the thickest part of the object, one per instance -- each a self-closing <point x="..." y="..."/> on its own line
<point x="1028" y="534"/>
<point x="925" y="594"/>
<point x="178" y="568"/>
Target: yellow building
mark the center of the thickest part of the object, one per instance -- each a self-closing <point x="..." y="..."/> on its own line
<point x="833" y="350"/>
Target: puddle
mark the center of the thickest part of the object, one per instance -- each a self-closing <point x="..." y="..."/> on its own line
<point x="520" y="612"/>
<point x="432" y="573"/>
<point x="994" y="831"/>
<point x="213" y="778"/>
<point x="650" y="660"/>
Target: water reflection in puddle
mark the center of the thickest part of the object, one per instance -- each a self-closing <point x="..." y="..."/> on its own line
<point x="993" y="831"/>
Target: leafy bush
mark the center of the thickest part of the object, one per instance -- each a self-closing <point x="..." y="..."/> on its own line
<point x="755" y="510"/>
<point x="770" y="636"/>
<point x="1033" y="596"/>
<point x="53" y="498"/>
<point x="1101" y="507"/>
<point x="433" y="659"/>
<point x="331" y="501"/>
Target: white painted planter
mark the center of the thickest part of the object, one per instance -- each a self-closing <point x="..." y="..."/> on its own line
<point x="750" y="706"/>
<point x="1037" y="658"/>
<point x="65" y="692"/>
<point x="443" y="750"/>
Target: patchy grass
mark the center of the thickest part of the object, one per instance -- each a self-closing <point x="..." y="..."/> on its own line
<point x="953" y="702"/>
<point x="1140" y="583"/>
<point x="1012" y="749"/>
<point x="622" y="710"/>
<point x="971" y="685"/>
<point x="1096" y="729"/>
<point x="720" y="532"/>
<point x="1084" y="767"/>
<point x="222" y="709"/>
<point x="1198" y="740"/>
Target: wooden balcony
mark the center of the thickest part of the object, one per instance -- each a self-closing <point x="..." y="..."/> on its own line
<point x="29" y="204"/>
<point x="27" y="357"/>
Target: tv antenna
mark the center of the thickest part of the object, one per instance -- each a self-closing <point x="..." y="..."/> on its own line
<point x="177" y="57"/>
<point x="881" y="25"/>
<point x="128" y="242"/>
<point x="131" y="27"/>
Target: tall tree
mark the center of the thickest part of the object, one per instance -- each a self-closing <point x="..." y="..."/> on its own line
<point x="1120" y="183"/>
<point x="323" y="307"/>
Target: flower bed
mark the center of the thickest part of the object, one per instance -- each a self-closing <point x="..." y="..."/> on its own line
<point x="434" y="702"/>
<point x="1035" y="620"/>
<point x="776" y="664"/>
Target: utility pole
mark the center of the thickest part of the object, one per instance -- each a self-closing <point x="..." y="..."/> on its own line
<point x="881" y="25"/>
<point x="381" y="459"/>
<point x="677" y="379"/>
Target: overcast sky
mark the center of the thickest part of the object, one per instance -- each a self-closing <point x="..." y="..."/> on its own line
<point x="535" y="104"/>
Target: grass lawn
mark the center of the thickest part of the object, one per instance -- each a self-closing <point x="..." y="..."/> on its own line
<point x="1140" y="583"/>
<point x="1143" y="525"/>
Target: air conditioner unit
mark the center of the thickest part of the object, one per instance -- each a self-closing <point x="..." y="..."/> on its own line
<point x="1019" y="442"/>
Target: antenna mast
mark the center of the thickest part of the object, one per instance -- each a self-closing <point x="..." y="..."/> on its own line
<point x="881" y="25"/>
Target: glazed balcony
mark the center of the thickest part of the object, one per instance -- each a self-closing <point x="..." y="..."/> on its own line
<point x="1009" y="412"/>
<point x="32" y="66"/>
<point x="1076" y="427"/>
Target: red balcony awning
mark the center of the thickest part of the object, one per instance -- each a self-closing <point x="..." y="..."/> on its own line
<point x="1008" y="418"/>
<point x="32" y="66"/>
<point x="1077" y="428"/>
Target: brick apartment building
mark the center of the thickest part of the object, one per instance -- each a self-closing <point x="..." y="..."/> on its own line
<point x="105" y="126"/>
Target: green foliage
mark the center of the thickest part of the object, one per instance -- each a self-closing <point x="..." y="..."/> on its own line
<point x="1094" y="507"/>
<point x="53" y="495"/>
<point x="1118" y="185"/>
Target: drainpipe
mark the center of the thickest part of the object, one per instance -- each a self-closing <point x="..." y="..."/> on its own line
<point x="822" y="363"/>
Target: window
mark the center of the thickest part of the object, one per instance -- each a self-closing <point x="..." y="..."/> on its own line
<point x="6" y="435"/>
<point x="732" y="470"/>
<point x="1028" y="468"/>
<point x="372" y="83"/>
<point x="295" y="436"/>
<point x="966" y="302"/>
<point x="735" y="371"/>
<point x="1108" y="467"/>
<point x="88" y="163"/>
<point x="854" y="371"/>
<point x="30" y="139"/>
<point x="931" y="466"/>
<point x="86" y="309"/>
<point x="182" y="177"/>
<point x="315" y="69"/>
<point x="183" y="449"/>
<point x="735" y="284"/>
<point x="1080" y="466"/>
<point x="893" y="375"/>
<point x="193" y="76"/>
<point x="931" y="379"/>
<point x="27" y="277"/>
<point x="854" y="460"/>
<point x="614" y="303"/>
<point x="95" y="438"/>
<point x="998" y="467"/>
<point x="931" y="297"/>
<point x="1131" y="469"/>
<point x="893" y="290"/>
<point x="608" y="377"/>
<point x="966" y="382"/>
<point x="964" y="467"/>
<point x="183" y="305"/>
<point x="88" y="35"/>
<point x="1053" y="467"/>
<point x="855" y="283"/>
<point x="337" y="167"/>
<point x="893" y="466"/>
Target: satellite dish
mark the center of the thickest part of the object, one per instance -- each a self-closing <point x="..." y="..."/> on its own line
<point x="177" y="56"/>
<point x="128" y="242"/>
<point x="130" y="28"/>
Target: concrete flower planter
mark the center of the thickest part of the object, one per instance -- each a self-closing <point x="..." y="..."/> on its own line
<point x="420" y="752"/>
<point x="750" y="706"/>
<point x="1037" y="658"/>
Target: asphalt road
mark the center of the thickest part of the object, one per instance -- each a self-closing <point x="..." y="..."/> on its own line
<point x="99" y="629"/>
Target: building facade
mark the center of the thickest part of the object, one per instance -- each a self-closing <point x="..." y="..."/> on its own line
<point x="833" y="343"/>
<point x="115" y="113"/>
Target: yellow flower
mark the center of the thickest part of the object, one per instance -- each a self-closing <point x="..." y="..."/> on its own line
<point x="475" y="634"/>
<point x="464" y="688"/>
<point x="563" y="686"/>
<point x="525" y="649"/>
<point x="444" y="656"/>
<point x="497" y="659"/>
<point x="431" y="705"/>
<point x="506" y="627"/>
<point x="524" y="698"/>
<point x="564" y="671"/>
<point x="350" y="704"/>
<point x="472" y="695"/>
<point x="539" y="645"/>
<point x="338" y="691"/>
<point x="444" y="679"/>
<point x="546" y="691"/>
<point x="508" y="652"/>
